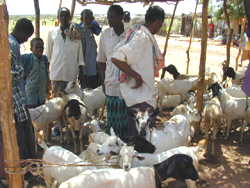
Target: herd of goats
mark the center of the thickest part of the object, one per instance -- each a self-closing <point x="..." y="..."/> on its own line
<point x="154" y="155"/>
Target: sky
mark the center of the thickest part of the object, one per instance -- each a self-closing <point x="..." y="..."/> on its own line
<point x="19" y="7"/>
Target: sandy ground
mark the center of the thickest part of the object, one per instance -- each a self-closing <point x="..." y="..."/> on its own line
<point x="230" y="167"/>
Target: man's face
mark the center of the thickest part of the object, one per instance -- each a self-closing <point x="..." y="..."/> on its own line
<point x="158" y="24"/>
<point x="24" y="38"/>
<point x="64" y="17"/>
<point x="126" y="18"/>
<point x="87" y="19"/>
<point x="37" y="48"/>
<point x="113" y="19"/>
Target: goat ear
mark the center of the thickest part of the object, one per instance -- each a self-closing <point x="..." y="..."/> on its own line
<point x="156" y="112"/>
<point x="171" y="168"/>
<point x="113" y="153"/>
<point x="82" y="104"/>
<point x="140" y="157"/>
<point x="131" y="114"/>
<point x="112" y="132"/>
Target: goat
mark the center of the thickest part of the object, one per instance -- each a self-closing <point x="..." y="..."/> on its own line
<point x="212" y="118"/>
<point x="45" y="114"/>
<point x="93" y="99"/>
<point x="75" y="115"/>
<point x="178" y="166"/>
<point x="131" y="158"/>
<point x="175" y="132"/>
<point x="237" y="77"/>
<point x="63" y="171"/>
<point x="174" y="87"/>
<point x="232" y="108"/>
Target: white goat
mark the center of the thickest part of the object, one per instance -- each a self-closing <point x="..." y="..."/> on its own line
<point x="170" y="101"/>
<point x="178" y="166"/>
<point x="232" y="108"/>
<point x="131" y="158"/>
<point x="93" y="99"/>
<point x="45" y="114"/>
<point x="175" y="133"/>
<point x="174" y="87"/>
<point x="237" y="77"/>
<point x="212" y="118"/>
<point x="63" y="171"/>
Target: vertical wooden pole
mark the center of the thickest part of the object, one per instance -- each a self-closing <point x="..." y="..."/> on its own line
<point x="229" y="37"/>
<point x="72" y="9"/>
<point x="191" y="35"/>
<point x="60" y="4"/>
<point x="37" y="24"/>
<point x="243" y="24"/>
<point x="202" y="60"/>
<point x="11" y="150"/>
<point x="169" y="29"/>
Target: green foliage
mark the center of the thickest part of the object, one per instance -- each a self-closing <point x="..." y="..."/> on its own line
<point x="235" y="10"/>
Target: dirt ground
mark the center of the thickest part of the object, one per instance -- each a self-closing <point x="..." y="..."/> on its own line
<point x="230" y="167"/>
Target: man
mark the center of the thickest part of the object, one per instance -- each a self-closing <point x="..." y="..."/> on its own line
<point x="126" y="16"/>
<point x="25" y="138"/>
<point x="64" y="53"/>
<point x="89" y="49"/>
<point x="116" y="108"/>
<point x="140" y="60"/>
<point x="211" y="29"/>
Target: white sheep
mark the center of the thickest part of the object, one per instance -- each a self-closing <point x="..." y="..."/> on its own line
<point x="212" y="118"/>
<point x="178" y="166"/>
<point x="237" y="77"/>
<point x="93" y="98"/>
<point x="130" y="158"/>
<point x="45" y="114"/>
<point x="174" y="87"/>
<point x="170" y="101"/>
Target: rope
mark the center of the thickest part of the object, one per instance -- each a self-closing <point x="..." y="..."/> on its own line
<point x="39" y="112"/>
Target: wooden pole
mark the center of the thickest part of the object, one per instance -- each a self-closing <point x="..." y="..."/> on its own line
<point x="229" y="37"/>
<point x="72" y="9"/>
<point x="243" y="24"/>
<point x="191" y="35"/>
<point x="37" y="24"/>
<point x="202" y="60"/>
<point x="169" y="29"/>
<point x="11" y="150"/>
<point x="60" y="4"/>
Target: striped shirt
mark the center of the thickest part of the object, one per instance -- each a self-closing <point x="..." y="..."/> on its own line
<point x="18" y="96"/>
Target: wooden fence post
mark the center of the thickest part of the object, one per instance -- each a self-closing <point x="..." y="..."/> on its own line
<point x="11" y="150"/>
<point x="37" y="24"/>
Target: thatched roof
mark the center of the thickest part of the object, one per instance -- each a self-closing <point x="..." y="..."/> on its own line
<point x="110" y="2"/>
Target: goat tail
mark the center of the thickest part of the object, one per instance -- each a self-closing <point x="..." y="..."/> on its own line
<point x="41" y="142"/>
<point x="199" y="146"/>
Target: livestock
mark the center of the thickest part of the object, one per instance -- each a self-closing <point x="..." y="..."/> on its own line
<point x="174" y="87"/>
<point x="174" y="134"/>
<point x="131" y="158"/>
<point x="232" y="108"/>
<point x="63" y="171"/>
<point x="178" y="166"/>
<point x="93" y="98"/>
<point x="212" y="118"/>
<point x="45" y="114"/>
<point x="75" y="115"/>
<point x="237" y="77"/>
<point x="170" y="101"/>
<point x="235" y="91"/>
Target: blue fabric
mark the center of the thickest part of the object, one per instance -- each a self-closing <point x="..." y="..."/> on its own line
<point x="15" y="48"/>
<point x="96" y="29"/>
<point x="117" y="116"/>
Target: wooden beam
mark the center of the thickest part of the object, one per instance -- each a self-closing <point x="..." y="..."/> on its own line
<point x="202" y="60"/>
<point x="11" y="150"/>
<point x="191" y="35"/>
<point x="37" y="24"/>
<point x="229" y="38"/>
<point x="73" y="5"/>
<point x="169" y="29"/>
<point x="60" y="4"/>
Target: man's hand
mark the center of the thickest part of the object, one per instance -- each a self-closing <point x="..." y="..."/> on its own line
<point x="138" y="82"/>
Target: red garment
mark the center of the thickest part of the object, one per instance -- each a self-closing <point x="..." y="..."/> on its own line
<point x="211" y="26"/>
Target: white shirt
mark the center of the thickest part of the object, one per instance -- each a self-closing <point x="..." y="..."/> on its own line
<point x="64" y="56"/>
<point x="138" y="53"/>
<point x="107" y="42"/>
